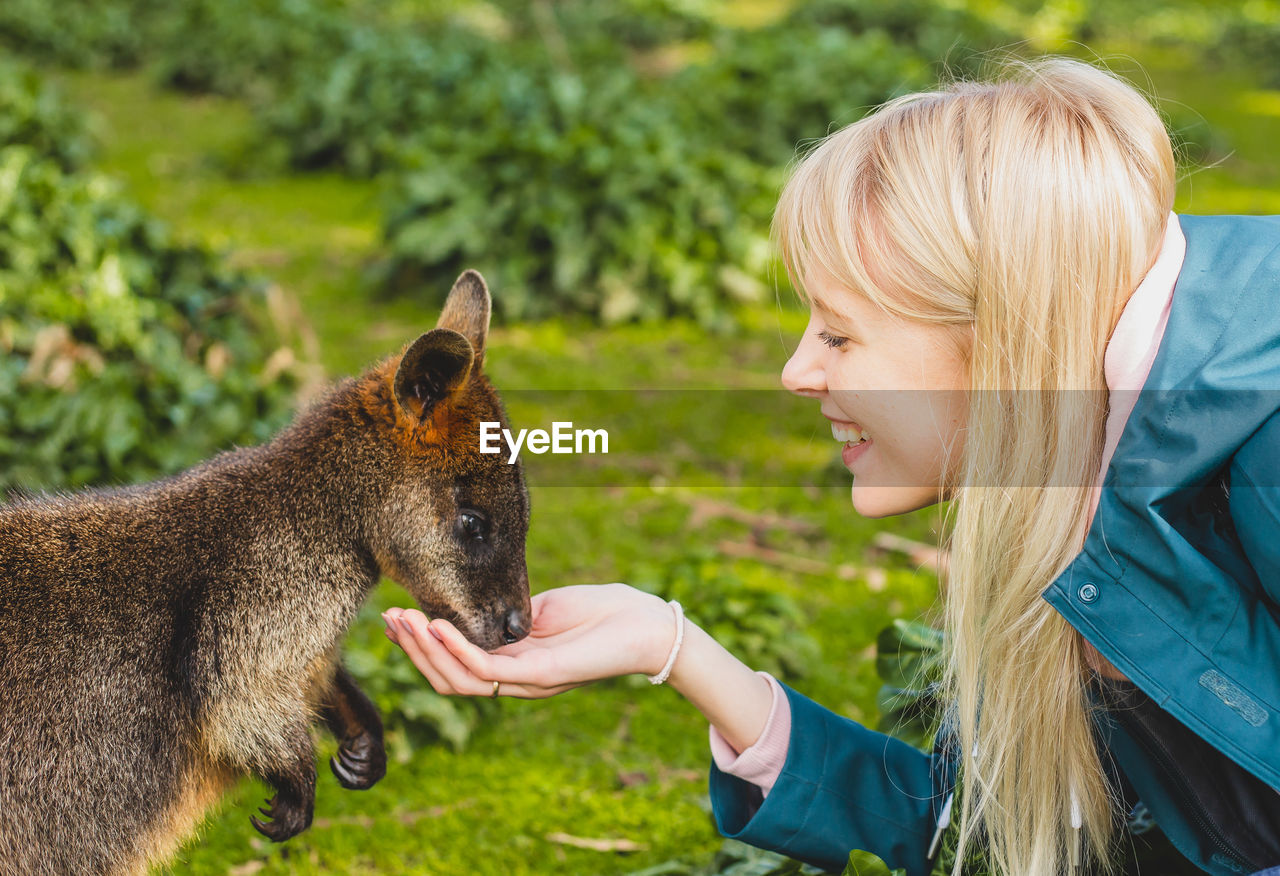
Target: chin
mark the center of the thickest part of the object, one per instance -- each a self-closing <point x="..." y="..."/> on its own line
<point x="878" y="502"/>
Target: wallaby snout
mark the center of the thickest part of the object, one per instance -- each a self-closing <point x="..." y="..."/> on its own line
<point x="515" y="626"/>
<point x="487" y="629"/>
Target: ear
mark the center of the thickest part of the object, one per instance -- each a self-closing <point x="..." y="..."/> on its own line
<point x="433" y="367"/>
<point x="467" y="310"/>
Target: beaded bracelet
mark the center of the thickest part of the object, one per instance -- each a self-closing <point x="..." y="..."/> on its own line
<point x="675" y="649"/>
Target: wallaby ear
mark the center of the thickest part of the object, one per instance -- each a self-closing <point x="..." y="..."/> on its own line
<point x="467" y="310"/>
<point x="434" y="366"/>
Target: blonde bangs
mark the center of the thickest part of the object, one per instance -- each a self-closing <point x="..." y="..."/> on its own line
<point x="843" y="216"/>
<point x="820" y="218"/>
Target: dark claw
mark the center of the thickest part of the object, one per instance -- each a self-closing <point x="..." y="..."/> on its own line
<point x="345" y="778"/>
<point x="359" y="763"/>
<point x="286" y="820"/>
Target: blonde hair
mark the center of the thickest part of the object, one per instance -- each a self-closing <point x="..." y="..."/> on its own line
<point x="1022" y="210"/>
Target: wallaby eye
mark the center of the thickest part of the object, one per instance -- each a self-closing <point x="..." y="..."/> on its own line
<point x="474" y="525"/>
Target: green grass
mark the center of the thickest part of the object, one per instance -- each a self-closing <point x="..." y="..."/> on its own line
<point x="538" y="768"/>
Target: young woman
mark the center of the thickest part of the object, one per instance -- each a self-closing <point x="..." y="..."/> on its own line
<point x="993" y="271"/>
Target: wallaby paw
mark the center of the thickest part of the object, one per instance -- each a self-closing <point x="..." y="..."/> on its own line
<point x="360" y="762"/>
<point x="287" y="819"/>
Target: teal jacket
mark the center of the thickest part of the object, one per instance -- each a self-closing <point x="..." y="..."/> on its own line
<point x="1178" y="584"/>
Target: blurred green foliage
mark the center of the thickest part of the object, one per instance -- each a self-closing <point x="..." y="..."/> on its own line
<point x="596" y="204"/>
<point x="126" y="354"/>
<point x="34" y="114"/>
<point x="764" y="628"/>
<point x="79" y="33"/>
<point x="593" y="28"/>
<point x="534" y="143"/>
<point x="771" y="90"/>
<point x="617" y="160"/>
<point x="824" y="65"/>
<point x="384" y="93"/>
<point x="1253" y="34"/>
<point x="243" y="47"/>
<point x="910" y="661"/>
<point x="946" y="35"/>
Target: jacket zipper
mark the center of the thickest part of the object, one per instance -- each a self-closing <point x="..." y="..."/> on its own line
<point x="1194" y="807"/>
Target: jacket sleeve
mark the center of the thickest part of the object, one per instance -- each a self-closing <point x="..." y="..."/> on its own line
<point x="843" y="787"/>
<point x="1255" y="504"/>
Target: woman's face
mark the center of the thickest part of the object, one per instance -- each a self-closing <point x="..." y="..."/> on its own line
<point x="900" y="383"/>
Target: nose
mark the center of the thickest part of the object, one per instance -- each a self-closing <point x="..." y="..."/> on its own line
<point x="803" y="374"/>
<point x="515" y="626"/>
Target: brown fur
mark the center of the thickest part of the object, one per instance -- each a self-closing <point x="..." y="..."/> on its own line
<point x="158" y="642"/>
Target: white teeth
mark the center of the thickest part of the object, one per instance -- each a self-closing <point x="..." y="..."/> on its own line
<point x="855" y="436"/>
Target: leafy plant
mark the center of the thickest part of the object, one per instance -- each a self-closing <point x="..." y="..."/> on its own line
<point x="1252" y="34"/>
<point x="78" y="33"/>
<point x="592" y="31"/>
<point x="33" y="113"/>
<point x="947" y="36"/>
<point x="823" y="66"/>
<point x="384" y="93"/>
<point x="762" y="627"/>
<point x="537" y="153"/>
<point x="866" y="864"/>
<point x="909" y="660"/>
<point x="126" y="355"/>
<point x="739" y="859"/>
<point x="245" y="47"/>
<point x="597" y="204"/>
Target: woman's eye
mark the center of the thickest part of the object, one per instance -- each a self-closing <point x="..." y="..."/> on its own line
<point x="835" y="342"/>
<point x="473" y="526"/>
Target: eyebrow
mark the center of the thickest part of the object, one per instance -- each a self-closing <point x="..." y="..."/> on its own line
<point x="848" y="323"/>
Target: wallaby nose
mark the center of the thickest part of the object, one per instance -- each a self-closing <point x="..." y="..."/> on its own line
<point x="516" y="626"/>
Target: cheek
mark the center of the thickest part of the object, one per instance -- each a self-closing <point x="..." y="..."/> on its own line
<point x="916" y="445"/>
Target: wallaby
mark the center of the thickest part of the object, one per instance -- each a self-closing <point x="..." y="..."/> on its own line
<point x="159" y="641"/>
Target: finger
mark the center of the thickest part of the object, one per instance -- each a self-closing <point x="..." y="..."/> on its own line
<point x="454" y="673"/>
<point x="411" y="647"/>
<point x="390" y="616"/>
<point x="461" y="649"/>
<point x="532" y="692"/>
<point x="527" y="668"/>
<point x="390" y="628"/>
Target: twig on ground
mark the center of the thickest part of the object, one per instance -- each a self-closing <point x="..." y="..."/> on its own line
<point x="596" y="845"/>
<point x="705" y="509"/>
<point x="790" y="562"/>
<point x="920" y="554"/>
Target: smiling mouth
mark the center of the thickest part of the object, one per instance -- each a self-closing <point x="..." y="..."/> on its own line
<point x="849" y="433"/>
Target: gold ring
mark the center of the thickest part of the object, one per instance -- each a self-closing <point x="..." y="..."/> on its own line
<point x="494" y="695"/>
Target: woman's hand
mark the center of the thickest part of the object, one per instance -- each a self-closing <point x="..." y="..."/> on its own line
<point x="585" y="633"/>
<point x="580" y="634"/>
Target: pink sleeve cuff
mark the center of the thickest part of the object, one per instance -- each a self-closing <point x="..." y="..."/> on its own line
<point x="761" y="763"/>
